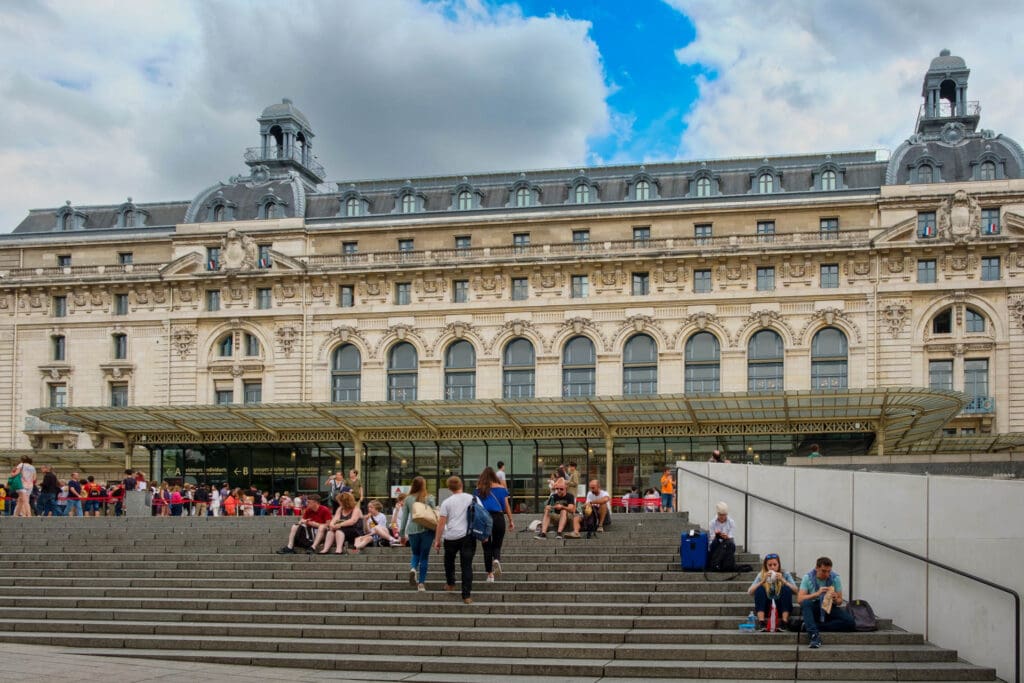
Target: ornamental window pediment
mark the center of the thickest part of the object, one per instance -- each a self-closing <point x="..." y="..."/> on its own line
<point x="523" y="193"/>
<point x="409" y="200"/>
<point x="643" y="187"/>
<point x="271" y="206"/>
<point x="704" y="183"/>
<point x="69" y="218"/>
<point x="465" y="197"/>
<point x="219" y="208"/>
<point x="131" y="216"/>
<point x="353" y="203"/>
<point x="766" y="180"/>
<point x="582" y="190"/>
<point x="828" y="177"/>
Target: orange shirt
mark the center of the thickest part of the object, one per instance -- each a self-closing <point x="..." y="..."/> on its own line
<point x="666" y="483"/>
<point x="230" y="505"/>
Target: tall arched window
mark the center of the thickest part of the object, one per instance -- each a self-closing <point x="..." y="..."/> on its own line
<point x="226" y="346"/>
<point x="578" y="367"/>
<point x="518" y="373"/>
<point x="703" y="364"/>
<point x="352" y="207"/>
<point x="828" y="180"/>
<point x="66" y="222"/>
<point x="582" y="193"/>
<point x="703" y="186"/>
<point x="465" y="200"/>
<point x="924" y="173"/>
<point x="766" y="183"/>
<point x="403" y="363"/>
<point x="987" y="171"/>
<point x="346" y="364"/>
<point x="523" y="196"/>
<point x="643" y="190"/>
<point x="828" y="359"/>
<point x="460" y="372"/>
<point x="218" y="213"/>
<point x="640" y="365"/>
<point x="764" y="362"/>
<point x="272" y="210"/>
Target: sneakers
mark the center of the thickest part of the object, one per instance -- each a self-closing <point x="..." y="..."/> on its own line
<point x="573" y="534"/>
<point x="540" y="534"/>
<point x="815" y="641"/>
<point x="761" y="627"/>
<point x="286" y="551"/>
<point x="412" y="577"/>
<point x="468" y="601"/>
<point x="559" y="536"/>
<point x="497" y="568"/>
<point x="600" y="529"/>
<point x="490" y="578"/>
<point x="421" y="588"/>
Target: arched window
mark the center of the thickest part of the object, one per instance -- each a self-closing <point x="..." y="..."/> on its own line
<point x="346" y="364"/>
<point x="129" y="218"/>
<point x="924" y="173"/>
<point x="828" y="180"/>
<point x="352" y="207"/>
<point x="402" y="372"/>
<point x="974" y="321"/>
<point x="582" y="193"/>
<point x="764" y="362"/>
<point x="828" y="359"/>
<point x="703" y="369"/>
<point x="252" y="344"/>
<point x="272" y="210"/>
<point x="67" y="222"/>
<point x="518" y="373"/>
<point x="408" y="203"/>
<point x="766" y="183"/>
<point x="218" y="213"/>
<point x="987" y="171"/>
<point x="465" y="200"/>
<point x="226" y="346"/>
<point x="523" y="196"/>
<point x="942" y="323"/>
<point x="640" y="365"/>
<point x="578" y="367"/>
<point x="643" y="190"/>
<point x="703" y="186"/>
<point x="460" y="372"/>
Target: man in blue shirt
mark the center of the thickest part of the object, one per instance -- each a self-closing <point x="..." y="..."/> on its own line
<point x="821" y="600"/>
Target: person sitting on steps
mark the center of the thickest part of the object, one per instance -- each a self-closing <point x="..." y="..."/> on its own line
<point x="561" y="507"/>
<point x="721" y="540"/>
<point x="773" y="585"/>
<point x="314" y="517"/>
<point x="598" y="507"/>
<point x="821" y="601"/>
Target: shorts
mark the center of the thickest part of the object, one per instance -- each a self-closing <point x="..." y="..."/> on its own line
<point x="92" y="506"/>
<point x="666" y="500"/>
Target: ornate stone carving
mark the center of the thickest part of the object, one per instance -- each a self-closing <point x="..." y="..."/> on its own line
<point x="238" y="251"/>
<point x="56" y="371"/>
<point x="518" y="328"/>
<point x="702" y="321"/>
<point x="579" y="326"/>
<point x="455" y="330"/>
<point x="829" y="316"/>
<point x="895" y="317"/>
<point x="286" y="291"/>
<point x="286" y="335"/>
<point x="344" y="334"/>
<point x="734" y="273"/>
<point x="761" y="319"/>
<point x="895" y="264"/>
<point x="637" y="324"/>
<point x="401" y="332"/>
<point x="959" y="217"/>
<point x="961" y="262"/>
<point x="116" y="371"/>
<point x="183" y="338"/>
<point x="1016" y="307"/>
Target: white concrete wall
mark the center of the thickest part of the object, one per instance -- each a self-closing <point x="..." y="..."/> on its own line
<point x="967" y="523"/>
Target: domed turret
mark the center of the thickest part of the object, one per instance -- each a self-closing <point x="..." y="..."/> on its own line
<point x="287" y="142"/>
<point x="945" y="96"/>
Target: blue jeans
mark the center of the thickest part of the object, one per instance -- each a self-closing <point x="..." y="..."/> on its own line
<point x="76" y="505"/>
<point x="420" y="544"/>
<point x="814" y="620"/>
<point x="47" y="504"/>
<point x="783" y="601"/>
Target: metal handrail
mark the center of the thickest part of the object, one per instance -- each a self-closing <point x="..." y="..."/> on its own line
<point x="888" y="546"/>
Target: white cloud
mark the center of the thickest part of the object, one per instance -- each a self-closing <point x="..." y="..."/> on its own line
<point x="799" y="75"/>
<point x="158" y="99"/>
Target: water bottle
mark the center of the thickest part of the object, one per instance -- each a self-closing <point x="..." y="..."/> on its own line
<point x="752" y="619"/>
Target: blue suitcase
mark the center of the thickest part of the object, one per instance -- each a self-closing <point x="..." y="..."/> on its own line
<point x="693" y="551"/>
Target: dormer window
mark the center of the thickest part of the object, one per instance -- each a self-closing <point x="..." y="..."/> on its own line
<point x="131" y="216"/>
<point x="352" y="207"/>
<point x="272" y="209"/>
<point x="643" y="191"/>
<point x="218" y="213"/>
<point x="465" y="200"/>
<point x="69" y="218"/>
<point x="219" y="209"/>
<point x="924" y="173"/>
<point x="703" y="186"/>
<point x="583" y="194"/>
<point x="765" y="183"/>
<point x="523" y="197"/>
<point x="408" y="203"/>
<point x="828" y="180"/>
<point x="987" y="171"/>
<point x="703" y="183"/>
<point x="67" y="222"/>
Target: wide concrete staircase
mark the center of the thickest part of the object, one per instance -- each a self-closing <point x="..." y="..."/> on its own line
<point x="613" y="608"/>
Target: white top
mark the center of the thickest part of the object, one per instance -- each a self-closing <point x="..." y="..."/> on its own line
<point x="501" y="475"/>
<point x="454" y="509"/>
<point x="379" y="519"/>
<point x="28" y="476"/>
<point x="728" y="527"/>
<point x="591" y="496"/>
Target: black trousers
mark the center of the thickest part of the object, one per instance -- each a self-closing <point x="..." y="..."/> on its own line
<point x="492" y="546"/>
<point x="465" y="548"/>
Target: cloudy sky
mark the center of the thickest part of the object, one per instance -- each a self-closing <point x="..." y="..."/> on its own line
<point x="102" y="99"/>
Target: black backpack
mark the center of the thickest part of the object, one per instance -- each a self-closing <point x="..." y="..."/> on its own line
<point x="863" y="616"/>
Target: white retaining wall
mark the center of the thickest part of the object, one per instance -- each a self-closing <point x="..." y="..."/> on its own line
<point x="975" y="525"/>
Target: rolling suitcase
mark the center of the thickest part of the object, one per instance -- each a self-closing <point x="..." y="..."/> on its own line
<point x="693" y="551"/>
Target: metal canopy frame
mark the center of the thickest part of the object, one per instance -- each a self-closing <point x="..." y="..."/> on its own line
<point x="898" y="416"/>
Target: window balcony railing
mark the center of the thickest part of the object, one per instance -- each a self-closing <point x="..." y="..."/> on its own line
<point x="980" y="405"/>
<point x="255" y="155"/>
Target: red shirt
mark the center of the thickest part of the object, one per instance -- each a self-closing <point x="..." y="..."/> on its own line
<point x="321" y="516"/>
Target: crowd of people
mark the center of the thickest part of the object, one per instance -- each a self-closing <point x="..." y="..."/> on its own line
<point x="39" y="492"/>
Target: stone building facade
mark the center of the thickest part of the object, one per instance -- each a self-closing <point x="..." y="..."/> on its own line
<point x="801" y="272"/>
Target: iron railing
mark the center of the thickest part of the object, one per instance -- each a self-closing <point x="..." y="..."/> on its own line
<point x="275" y="153"/>
<point x="853" y="535"/>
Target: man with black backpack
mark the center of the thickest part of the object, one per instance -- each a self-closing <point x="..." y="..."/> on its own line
<point x="721" y="540"/>
<point x="453" y="529"/>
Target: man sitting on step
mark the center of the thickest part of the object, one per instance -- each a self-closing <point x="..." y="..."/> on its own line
<point x="596" y="513"/>
<point x="302" y="534"/>
<point x="821" y="600"/>
<point x="561" y="507"/>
